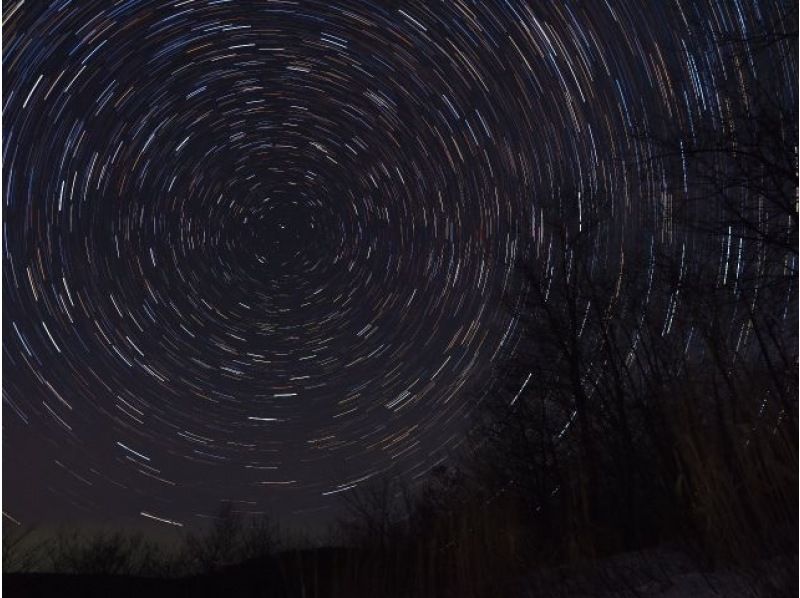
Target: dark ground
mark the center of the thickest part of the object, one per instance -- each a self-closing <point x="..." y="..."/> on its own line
<point x="662" y="573"/>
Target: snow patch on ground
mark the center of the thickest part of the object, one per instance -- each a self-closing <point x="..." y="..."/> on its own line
<point x="663" y="573"/>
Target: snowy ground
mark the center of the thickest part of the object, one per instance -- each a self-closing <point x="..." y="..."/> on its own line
<point x="664" y="574"/>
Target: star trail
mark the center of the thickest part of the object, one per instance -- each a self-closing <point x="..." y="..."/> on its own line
<point x="258" y="252"/>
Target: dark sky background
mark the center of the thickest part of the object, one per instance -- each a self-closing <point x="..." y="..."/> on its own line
<point x="256" y="252"/>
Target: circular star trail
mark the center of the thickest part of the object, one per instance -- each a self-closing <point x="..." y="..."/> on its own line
<point x="256" y="251"/>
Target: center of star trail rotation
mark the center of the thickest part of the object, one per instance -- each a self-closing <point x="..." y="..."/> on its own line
<point x="257" y="251"/>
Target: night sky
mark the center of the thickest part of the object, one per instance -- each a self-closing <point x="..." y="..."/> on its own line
<point x="258" y="252"/>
